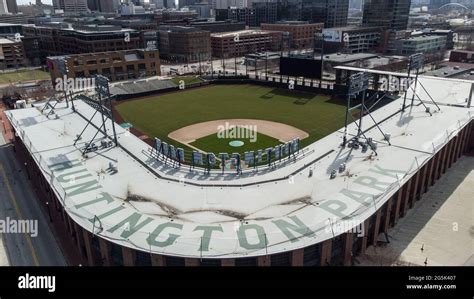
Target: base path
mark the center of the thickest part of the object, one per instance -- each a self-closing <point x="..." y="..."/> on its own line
<point x="282" y="132"/>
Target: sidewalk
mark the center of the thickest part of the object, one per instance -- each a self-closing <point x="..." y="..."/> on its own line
<point x="4" y="261"/>
<point x="438" y="231"/>
<point x="65" y="242"/>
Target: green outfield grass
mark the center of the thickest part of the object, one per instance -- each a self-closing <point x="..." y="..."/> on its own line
<point x="23" y="76"/>
<point x="160" y="115"/>
<point x="214" y="144"/>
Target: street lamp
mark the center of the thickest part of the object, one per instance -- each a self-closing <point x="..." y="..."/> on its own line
<point x="49" y="212"/>
<point x="27" y="172"/>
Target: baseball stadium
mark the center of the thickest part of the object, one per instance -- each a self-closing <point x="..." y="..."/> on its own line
<point x="240" y="173"/>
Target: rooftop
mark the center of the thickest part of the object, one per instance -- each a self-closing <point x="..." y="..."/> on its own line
<point x="452" y="72"/>
<point x="175" y="211"/>
<point x="240" y="33"/>
<point x="345" y="58"/>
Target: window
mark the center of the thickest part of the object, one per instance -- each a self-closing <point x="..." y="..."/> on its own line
<point x="142" y="258"/>
<point x="174" y="261"/>
<point x="281" y="259"/>
<point x="116" y="254"/>
<point x="95" y="245"/>
<point x="312" y="255"/>
<point x="337" y="249"/>
<point x="210" y="262"/>
<point x="246" y="262"/>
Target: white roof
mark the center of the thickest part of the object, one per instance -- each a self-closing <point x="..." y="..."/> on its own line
<point x="174" y="211"/>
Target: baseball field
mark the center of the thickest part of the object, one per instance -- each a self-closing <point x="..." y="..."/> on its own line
<point x="203" y="118"/>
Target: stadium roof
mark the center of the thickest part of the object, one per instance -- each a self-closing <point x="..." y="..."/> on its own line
<point x="175" y="211"/>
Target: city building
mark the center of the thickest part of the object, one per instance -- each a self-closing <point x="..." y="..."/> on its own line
<point x="389" y="14"/>
<point x="71" y="6"/>
<point x="61" y="39"/>
<point x="240" y="43"/>
<point x="184" y="44"/>
<point x="184" y="3"/>
<point x="135" y="24"/>
<point x="421" y="44"/>
<point x="12" y="54"/>
<point x="12" y="6"/>
<point x="15" y="18"/>
<point x="115" y="65"/>
<point x="333" y="13"/>
<point x="7" y="29"/>
<point x="461" y="56"/>
<point x="103" y="5"/>
<point x="202" y="9"/>
<point x="217" y="26"/>
<point x="178" y="15"/>
<point x="131" y="9"/>
<point x="302" y="33"/>
<point x="260" y="12"/>
<point x="352" y="39"/>
<point x="224" y="4"/>
<point x="388" y="42"/>
<point x="3" y="7"/>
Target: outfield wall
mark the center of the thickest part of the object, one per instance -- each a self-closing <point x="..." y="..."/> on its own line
<point x="311" y="85"/>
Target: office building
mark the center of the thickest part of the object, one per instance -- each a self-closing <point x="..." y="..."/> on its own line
<point x="12" y="54"/>
<point x="389" y="14"/>
<point x="55" y="40"/>
<point x="333" y="13"/>
<point x="352" y="39"/>
<point x="421" y="44"/>
<point x="3" y="7"/>
<point x="103" y="5"/>
<point x="240" y="43"/>
<point x="12" y="6"/>
<point x="218" y="26"/>
<point x="71" y="6"/>
<point x="260" y="12"/>
<point x="183" y="44"/>
<point x="115" y="65"/>
<point x="302" y="33"/>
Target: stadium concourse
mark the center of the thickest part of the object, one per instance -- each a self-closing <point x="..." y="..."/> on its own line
<point x="124" y="206"/>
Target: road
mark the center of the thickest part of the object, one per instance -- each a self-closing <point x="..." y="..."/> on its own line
<point x="19" y="201"/>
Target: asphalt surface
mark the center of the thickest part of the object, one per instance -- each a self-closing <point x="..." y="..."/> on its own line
<point x="19" y="201"/>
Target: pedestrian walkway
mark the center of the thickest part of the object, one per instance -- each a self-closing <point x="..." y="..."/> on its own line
<point x="439" y="230"/>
